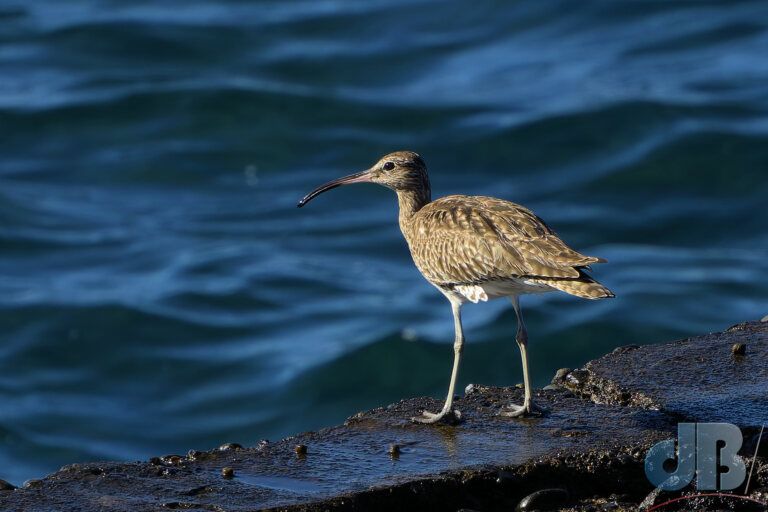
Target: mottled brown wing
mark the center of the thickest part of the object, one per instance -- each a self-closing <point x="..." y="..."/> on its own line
<point x="470" y="239"/>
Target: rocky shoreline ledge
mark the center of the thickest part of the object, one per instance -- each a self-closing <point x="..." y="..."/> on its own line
<point x="587" y="453"/>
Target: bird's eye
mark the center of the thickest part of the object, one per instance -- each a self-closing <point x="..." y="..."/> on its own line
<point x="389" y="166"/>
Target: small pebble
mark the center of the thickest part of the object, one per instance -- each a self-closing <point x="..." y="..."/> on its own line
<point x="29" y="484"/>
<point x="263" y="444"/>
<point x="394" y="450"/>
<point x="577" y="377"/>
<point x="300" y="449"/>
<point x="195" y="454"/>
<point x="170" y="459"/>
<point x="545" y="499"/>
<point x="227" y="472"/>
<point x="469" y="389"/>
<point x="230" y="446"/>
<point x="560" y="375"/>
<point x="739" y="349"/>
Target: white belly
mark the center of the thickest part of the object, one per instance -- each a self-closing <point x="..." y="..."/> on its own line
<point x="495" y="289"/>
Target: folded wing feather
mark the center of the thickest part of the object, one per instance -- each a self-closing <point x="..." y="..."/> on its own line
<point x="472" y="239"/>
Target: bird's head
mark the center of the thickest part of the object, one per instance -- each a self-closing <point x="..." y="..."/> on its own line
<point x="399" y="171"/>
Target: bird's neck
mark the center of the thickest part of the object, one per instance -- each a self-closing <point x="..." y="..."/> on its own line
<point x="410" y="202"/>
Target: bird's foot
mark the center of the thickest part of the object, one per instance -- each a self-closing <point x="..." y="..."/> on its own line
<point x="526" y="410"/>
<point x="450" y="416"/>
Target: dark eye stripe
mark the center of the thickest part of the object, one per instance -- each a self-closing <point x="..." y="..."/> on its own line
<point x="389" y="166"/>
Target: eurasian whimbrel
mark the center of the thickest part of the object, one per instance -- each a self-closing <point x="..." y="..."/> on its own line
<point x="476" y="248"/>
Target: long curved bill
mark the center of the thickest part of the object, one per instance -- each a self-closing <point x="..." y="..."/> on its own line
<point x="360" y="177"/>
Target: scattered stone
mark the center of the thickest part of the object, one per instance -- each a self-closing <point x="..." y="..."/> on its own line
<point x="262" y="444"/>
<point x="624" y="349"/>
<point x="560" y="376"/>
<point x="764" y="319"/>
<point x="739" y="349"/>
<point x="195" y="455"/>
<point x="300" y="449"/>
<point x="230" y="446"/>
<point x="475" y="388"/>
<point x="228" y="472"/>
<point x="173" y="460"/>
<point x="545" y="499"/>
<point x="32" y="483"/>
<point x="355" y="417"/>
<point x="394" y="450"/>
<point x="577" y="377"/>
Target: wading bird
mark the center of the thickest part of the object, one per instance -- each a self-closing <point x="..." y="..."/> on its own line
<point x="473" y="249"/>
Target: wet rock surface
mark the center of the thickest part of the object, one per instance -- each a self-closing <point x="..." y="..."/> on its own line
<point x="586" y="453"/>
<point x="717" y="377"/>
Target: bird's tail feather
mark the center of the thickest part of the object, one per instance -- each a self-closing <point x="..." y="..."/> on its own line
<point x="583" y="289"/>
<point x="583" y="286"/>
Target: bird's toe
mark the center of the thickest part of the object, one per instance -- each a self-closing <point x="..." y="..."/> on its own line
<point x="522" y="411"/>
<point x="426" y="417"/>
<point x="451" y="417"/>
<point x="512" y="411"/>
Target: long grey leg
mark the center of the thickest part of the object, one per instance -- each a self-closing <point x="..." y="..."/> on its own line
<point x="458" y="346"/>
<point x="521" y="337"/>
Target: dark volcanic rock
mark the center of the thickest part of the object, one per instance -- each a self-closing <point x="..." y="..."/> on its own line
<point x="696" y="378"/>
<point x="379" y="460"/>
<point x="487" y="458"/>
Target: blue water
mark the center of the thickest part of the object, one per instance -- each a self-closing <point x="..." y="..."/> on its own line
<point x="159" y="290"/>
